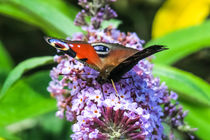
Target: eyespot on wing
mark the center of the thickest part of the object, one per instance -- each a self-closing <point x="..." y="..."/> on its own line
<point x="57" y="43"/>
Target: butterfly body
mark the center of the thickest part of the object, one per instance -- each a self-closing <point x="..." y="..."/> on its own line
<point x="111" y="60"/>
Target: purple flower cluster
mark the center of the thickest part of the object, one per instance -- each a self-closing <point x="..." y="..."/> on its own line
<point x="132" y="111"/>
<point x="98" y="11"/>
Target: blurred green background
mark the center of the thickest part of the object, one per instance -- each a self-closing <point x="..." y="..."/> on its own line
<point x="26" y="109"/>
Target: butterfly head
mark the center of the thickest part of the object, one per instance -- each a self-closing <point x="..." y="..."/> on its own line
<point x="61" y="45"/>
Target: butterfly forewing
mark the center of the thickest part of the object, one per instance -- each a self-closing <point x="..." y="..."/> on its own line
<point x="80" y="50"/>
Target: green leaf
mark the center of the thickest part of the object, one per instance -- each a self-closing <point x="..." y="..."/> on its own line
<point x="6" y="63"/>
<point x="52" y="124"/>
<point x="198" y="117"/>
<point x="24" y="66"/>
<point x="6" y="135"/>
<point x="54" y="17"/>
<point x="5" y="60"/>
<point x="3" y="75"/>
<point x="15" y="12"/>
<point x="182" y="43"/>
<point x="190" y="87"/>
<point x="26" y="98"/>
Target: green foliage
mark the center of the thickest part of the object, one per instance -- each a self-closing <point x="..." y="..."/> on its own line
<point x="198" y="117"/>
<point x="46" y="126"/>
<point x="182" y="43"/>
<point x="51" y="124"/>
<point x="26" y="98"/>
<point x="5" y="63"/>
<point x="17" y="72"/>
<point x="4" y="133"/>
<point x="190" y="87"/>
<point x="54" y="17"/>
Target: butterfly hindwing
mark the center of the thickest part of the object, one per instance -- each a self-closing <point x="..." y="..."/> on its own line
<point x="131" y="61"/>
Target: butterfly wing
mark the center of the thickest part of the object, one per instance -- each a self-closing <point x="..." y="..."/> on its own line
<point x="111" y="60"/>
<point x="82" y="51"/>
<point x="131" y="61"/>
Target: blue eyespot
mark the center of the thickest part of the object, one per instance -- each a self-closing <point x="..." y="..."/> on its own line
<point x="101" y="48"/>
<point x="52" y="40"/>
<point x="59" y="44"/>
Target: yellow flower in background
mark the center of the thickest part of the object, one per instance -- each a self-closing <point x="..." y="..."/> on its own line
<point x="177" y="14"/>
<point x="2" y="138"/>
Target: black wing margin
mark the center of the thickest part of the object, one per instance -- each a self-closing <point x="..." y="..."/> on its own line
<point x="130" y="62"/>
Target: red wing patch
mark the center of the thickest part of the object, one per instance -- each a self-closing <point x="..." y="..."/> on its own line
<point x="86" y="51"/>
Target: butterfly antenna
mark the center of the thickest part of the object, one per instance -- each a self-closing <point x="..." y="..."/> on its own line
<point x="114" y="87"/>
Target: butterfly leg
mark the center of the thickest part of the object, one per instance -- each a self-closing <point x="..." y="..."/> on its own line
<point x="114" y="88"/>
<point x="102" y="91"/>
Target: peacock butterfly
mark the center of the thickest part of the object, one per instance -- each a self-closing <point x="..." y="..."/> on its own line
<point x="111" y="60"/>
